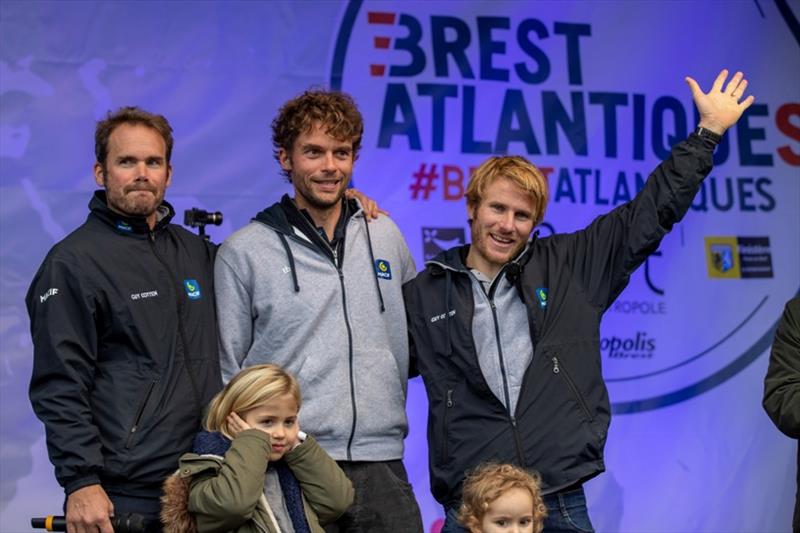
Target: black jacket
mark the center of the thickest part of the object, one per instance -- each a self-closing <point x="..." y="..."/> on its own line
<point x="125" y="349"/>
<point x="782" y="384"/>
<point x="562" y="416"/>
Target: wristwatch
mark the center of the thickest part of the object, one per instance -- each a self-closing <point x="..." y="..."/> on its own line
<point x="708" y="134"/>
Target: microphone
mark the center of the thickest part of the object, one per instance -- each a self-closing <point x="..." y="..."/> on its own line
<point x="125" y="523"/>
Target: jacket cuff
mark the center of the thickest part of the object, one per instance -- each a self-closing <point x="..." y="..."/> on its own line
<point x="75" y="484"/>
<point x="701" y="142"/>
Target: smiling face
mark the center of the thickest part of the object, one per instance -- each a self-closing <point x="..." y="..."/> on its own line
<point x="278" y="418"/>
<point x="135" y="173"/>
<point x="501" y="225"/>
<point x="320" y="167"/>
<point x="511" y="512"/>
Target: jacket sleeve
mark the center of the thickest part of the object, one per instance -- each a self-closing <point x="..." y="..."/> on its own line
<point x="62" y="314"/>
<point x="234" y="317"/>
<point x="325" y="486"/>
<point x="228" y="499"/>
<point x="782" y="383"/>
<point x="606" y="253"/>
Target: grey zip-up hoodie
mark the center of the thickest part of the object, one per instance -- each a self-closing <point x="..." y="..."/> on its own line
<point x="341" y="331"/>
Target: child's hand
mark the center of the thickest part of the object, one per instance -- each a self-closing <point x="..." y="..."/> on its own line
<point x="236" y="425"/>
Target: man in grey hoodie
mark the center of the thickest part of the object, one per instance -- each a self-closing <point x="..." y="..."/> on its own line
<point x="310" y="286"/>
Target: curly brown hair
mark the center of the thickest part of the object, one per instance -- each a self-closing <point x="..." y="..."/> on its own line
<point x="129" y="115"/>
<point x="488" y="482"/>
<point x="335" y="111"/>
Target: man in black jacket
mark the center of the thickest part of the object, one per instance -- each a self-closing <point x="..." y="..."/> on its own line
<point x="782" y="384"/>
<point x="123" y="327"/>
<point x="505" y="331"/>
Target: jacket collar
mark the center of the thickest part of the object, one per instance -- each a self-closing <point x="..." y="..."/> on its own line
<point x="124" y="224"/>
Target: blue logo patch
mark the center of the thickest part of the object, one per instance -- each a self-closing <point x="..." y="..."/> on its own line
<point x="124" y="226"/>
<point x="192" y="289"/>
<point x="383" y="269"/>
<point x="541" y="295"/>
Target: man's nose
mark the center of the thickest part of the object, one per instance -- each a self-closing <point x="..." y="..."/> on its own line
<point x="507" y="222"/>
<point x="329" y="164"/>
<point x="142" y="172"/>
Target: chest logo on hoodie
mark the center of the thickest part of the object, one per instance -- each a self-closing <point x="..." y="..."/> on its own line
<point x="541" y="296"/>
<point x="192" y="289"/>
<point x="383" y="269"/>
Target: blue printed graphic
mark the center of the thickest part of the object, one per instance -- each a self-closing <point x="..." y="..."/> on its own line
<point x="541" y="295"/>
<point x="383" y="269"/>
<point x="192" y="289"/>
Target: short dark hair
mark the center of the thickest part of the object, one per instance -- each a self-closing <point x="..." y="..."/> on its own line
<point x="335" y="110"/>
<point x="129" y="115"/>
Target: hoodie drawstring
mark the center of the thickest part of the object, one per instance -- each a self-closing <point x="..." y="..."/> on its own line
<point x="374" y="271"/>
<point x="290" y="256"/>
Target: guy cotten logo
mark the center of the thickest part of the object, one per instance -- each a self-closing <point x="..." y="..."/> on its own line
<point x="445" y="79"/>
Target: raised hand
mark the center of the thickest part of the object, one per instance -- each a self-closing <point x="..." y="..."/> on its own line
<point x="720" y="109"/>
<point x="236" y="425"/>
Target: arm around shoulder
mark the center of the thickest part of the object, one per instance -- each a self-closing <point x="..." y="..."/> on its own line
<point x="782" y="382"/>
<point x="325" y="486"/>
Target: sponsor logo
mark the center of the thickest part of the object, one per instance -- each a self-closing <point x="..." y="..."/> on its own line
<point x="642" y="346"/>
<point x="437" y="240"/>
<point x="639" y="307"/>
<point x="738" y="257"/>
<point x="50" y="292"/>
<point x="124" y="226"/>
<point x="143" y="295"/>
<point x="192" y="289"/>
<point x="383" y="269"/>
<point x="541" y="296"/>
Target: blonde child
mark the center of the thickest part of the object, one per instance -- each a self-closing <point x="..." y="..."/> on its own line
<point x="501" y="498"/>
<point x="253" y="470"/>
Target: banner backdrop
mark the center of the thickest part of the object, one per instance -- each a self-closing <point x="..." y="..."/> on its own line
<point x="590" y="91"/>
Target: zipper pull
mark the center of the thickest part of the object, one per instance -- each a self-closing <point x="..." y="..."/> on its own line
<point x="449" y="397"/>
<point x="556" y="370"/>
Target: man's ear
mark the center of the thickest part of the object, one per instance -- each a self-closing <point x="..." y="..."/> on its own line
<point x="285" y="159"/>
<point x="471" y="212"/>
<point x="99" y="175"/>
<point x="169" y="175"/>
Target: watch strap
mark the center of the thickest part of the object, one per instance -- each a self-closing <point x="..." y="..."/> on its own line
<point x="705" y="133"/>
